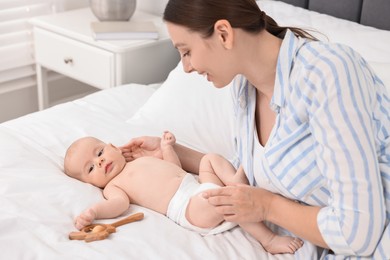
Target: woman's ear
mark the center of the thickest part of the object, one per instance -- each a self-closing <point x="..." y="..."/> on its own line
<point x="224" y="32"/>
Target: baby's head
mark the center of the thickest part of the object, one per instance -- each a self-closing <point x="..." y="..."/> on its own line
<point x="90" y="160"/>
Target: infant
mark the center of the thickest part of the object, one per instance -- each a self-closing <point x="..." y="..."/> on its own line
<point x="163" y="186"/>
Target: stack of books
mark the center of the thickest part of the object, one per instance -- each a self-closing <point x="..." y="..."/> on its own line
<point x="130" y="30"/>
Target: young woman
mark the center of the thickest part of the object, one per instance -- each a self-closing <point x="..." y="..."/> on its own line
<point x="312" y="125"/>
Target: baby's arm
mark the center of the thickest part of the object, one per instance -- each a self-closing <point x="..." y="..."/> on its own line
<point x="116" y="203"/>
<point x="168" y="152"/>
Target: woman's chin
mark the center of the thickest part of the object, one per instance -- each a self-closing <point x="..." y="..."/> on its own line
<point x="218" y="84"/>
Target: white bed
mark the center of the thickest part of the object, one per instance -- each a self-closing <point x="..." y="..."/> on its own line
<point x="38" y="201"/>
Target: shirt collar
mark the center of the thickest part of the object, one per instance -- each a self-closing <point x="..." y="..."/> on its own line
<point x="285" y="64"/>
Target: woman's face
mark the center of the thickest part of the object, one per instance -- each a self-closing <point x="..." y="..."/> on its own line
<point x="207" y="56"/>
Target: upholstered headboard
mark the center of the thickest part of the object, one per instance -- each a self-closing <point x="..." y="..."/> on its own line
<point x="374" y="13"/>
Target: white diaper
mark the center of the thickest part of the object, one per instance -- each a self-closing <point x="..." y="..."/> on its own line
<point x="178" y="205"/>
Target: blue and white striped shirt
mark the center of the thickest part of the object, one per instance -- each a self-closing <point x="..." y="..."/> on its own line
<point x="330" y="145"/>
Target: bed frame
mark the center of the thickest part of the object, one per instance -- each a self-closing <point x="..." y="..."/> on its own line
<point x="367" y="12"/>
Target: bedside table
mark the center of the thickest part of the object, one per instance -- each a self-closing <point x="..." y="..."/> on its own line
<point x="63" y="43"/>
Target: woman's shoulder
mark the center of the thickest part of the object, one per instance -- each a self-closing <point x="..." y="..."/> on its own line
<point x="331" y="68"/>
<point x="327" y="53"/>
<point x="329" y="61"/>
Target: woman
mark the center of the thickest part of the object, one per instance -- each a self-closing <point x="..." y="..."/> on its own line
<point x="312" y="125"/>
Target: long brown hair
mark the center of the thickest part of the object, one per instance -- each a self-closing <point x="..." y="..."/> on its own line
<point x="201" y="15"/>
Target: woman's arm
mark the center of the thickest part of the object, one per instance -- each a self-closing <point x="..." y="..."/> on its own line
<point x="297" y="218"/>
<point x="346" y="106"/>
<point x="189" y="158"/>
<point x="243" y="203"/>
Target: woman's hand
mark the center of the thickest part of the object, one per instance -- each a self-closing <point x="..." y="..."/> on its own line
<point x="240" y="203"/>
<point x="142" y="146"/>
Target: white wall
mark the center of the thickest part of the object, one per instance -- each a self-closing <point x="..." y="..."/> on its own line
<point x="154" y="6"/>
<point x="73" y="4"/>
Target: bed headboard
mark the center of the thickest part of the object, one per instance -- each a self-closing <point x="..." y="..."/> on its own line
<point x="368" y="12"/>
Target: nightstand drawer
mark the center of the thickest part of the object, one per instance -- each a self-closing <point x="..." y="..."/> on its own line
<point x="80" y="61"/>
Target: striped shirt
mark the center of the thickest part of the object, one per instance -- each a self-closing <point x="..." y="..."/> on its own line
<point x="330" y="145"/>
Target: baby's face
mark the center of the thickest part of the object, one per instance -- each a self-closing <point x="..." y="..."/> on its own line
<point x="95" y="162"/>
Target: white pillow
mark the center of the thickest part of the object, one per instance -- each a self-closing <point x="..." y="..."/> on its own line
<point x="382" y="69"/>
<point x="373" y="44"/>
<point x="200" y="115"/>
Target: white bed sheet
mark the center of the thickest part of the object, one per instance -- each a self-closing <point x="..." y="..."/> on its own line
<point x="38" y="201"/>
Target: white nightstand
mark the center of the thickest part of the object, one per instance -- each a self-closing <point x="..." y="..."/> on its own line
<point x="63" y="43"/>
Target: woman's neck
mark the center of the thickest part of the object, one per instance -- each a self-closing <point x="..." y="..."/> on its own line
<point x="260" y="61"/>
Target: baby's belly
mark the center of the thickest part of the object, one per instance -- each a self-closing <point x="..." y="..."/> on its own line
<point x="156" y="193"/>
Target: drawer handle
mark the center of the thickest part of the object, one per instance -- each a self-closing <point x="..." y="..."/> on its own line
<point x="68" y="60"/>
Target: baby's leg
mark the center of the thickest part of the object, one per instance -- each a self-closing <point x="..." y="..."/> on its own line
<point x="240" y="177"/>
<point x="207" y="172"/>
<point x="201" y="213"/>
<point x="216" y="169"/>
<point x="270" y="241"/>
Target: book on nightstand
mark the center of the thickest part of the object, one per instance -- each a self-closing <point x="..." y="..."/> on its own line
<point x="124" y="30"/>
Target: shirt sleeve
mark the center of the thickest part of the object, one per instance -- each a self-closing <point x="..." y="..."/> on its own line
<point x="343" y="99"/>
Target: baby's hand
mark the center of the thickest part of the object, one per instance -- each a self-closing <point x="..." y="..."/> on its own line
<point x="84" y="219"/>
<point x="168" y="139"/>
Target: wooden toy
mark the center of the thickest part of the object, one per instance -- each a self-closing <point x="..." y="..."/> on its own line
<point x="102" y="231"/>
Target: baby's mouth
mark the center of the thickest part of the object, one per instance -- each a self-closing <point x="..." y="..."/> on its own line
<point x="108" y="167"/>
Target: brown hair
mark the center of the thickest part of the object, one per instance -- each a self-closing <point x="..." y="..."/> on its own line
<point x="201" y="15"/>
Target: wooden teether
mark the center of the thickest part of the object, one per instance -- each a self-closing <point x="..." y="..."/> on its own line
<point x="101" y="231"/>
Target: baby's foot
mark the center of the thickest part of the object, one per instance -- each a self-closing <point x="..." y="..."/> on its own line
<point x="283" y="244"/>
<point x="168" y="139"/>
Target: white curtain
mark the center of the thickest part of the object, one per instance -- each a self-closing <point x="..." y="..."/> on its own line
<point x="17" y="68"/>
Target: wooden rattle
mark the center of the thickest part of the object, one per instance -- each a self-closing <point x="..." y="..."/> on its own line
<point x="102" y="231"/>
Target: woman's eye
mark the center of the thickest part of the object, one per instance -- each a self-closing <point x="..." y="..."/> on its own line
<point x="185" y="54"/>
<point x="91" y="168"/>
<point x="100" y="152"/>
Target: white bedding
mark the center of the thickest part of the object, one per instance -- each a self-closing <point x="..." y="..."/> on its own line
<point x="38" y="201"/>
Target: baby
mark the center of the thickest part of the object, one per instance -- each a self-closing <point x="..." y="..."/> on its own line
<point x="163" y="186"/>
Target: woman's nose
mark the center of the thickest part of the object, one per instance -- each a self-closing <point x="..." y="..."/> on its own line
<point x="187" y="66"/>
